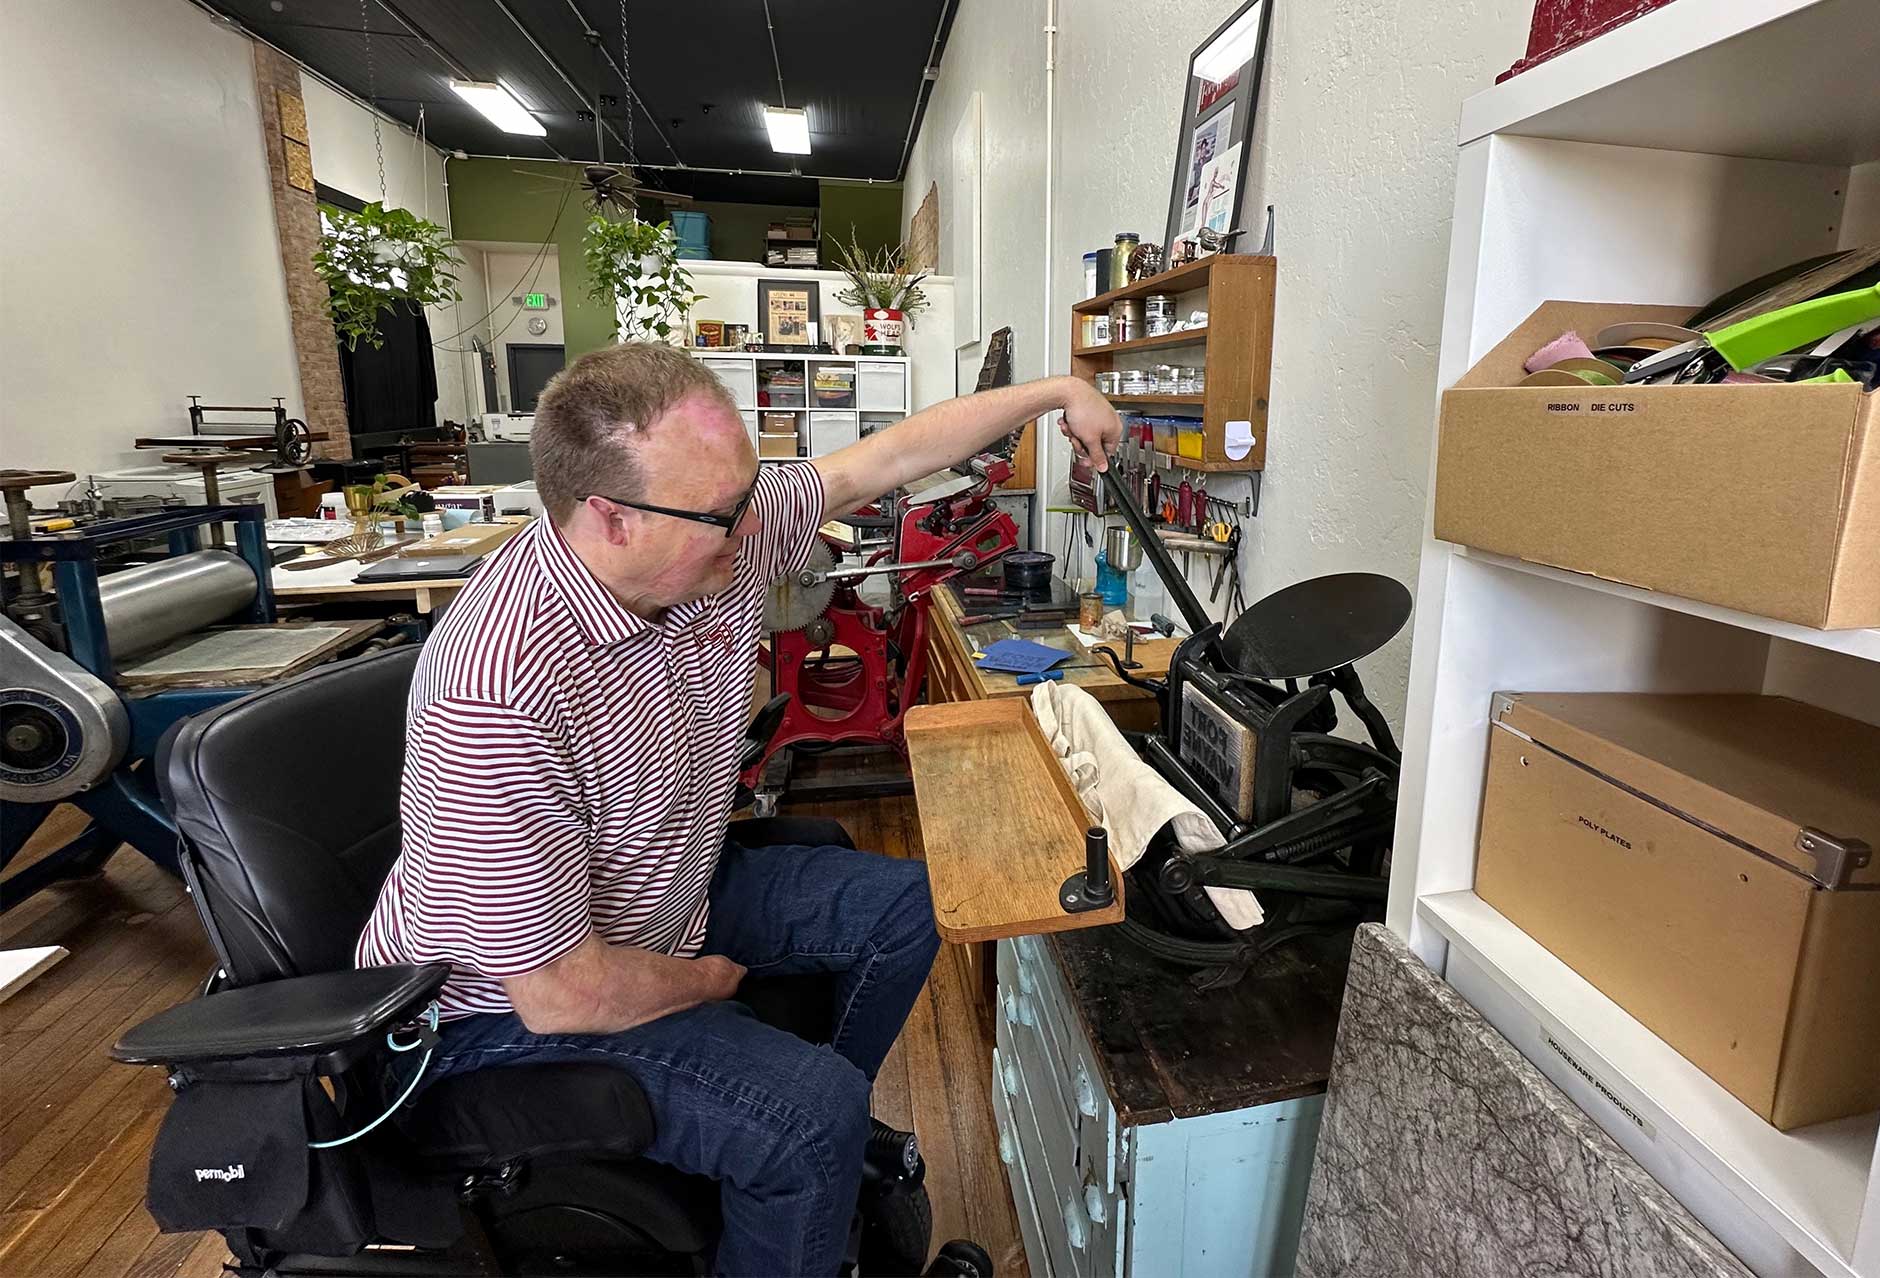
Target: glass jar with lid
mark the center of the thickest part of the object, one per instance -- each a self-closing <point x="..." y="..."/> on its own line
<point x="1126" y="242"/>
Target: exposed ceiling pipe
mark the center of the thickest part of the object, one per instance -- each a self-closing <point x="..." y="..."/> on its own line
<point x="927" y="68"/>
<point x="705" y="168"/>
<point x="645" y="110"/>
<point x="782" y="99"/>
<point x="555" y="66"/>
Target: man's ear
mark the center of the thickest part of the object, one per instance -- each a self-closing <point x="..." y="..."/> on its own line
<point x="608" y="520"/>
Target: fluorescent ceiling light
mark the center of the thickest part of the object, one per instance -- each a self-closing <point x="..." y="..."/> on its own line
<point x="1232" y="49"/>
<point x="789" y="129"/>
<point x="500" y="106"/>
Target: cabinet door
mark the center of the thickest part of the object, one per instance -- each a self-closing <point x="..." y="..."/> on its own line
<point x="883" y="386"/>
<point x="830" y="432"/>
<point x="739" y="377"/>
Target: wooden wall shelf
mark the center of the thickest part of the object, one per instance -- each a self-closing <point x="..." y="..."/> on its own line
<point x="1187" y="337"/>
<point x="1236" y="290"/>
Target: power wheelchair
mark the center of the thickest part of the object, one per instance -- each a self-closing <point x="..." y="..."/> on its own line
<point x="527" y="1169"/>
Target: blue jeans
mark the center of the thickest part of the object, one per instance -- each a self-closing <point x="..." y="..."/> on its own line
<point x="777" y="1121"/>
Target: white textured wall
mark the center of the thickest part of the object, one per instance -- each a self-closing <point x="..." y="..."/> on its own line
<point x="138" y="260"/>
<point x="345" y="157"/>
<point x="1355" y="146"/>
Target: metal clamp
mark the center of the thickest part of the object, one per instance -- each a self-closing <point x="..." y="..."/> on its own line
<point x="1835" y="859"/>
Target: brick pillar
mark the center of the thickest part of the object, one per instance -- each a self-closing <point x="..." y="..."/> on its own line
<point x="297" y="228"/>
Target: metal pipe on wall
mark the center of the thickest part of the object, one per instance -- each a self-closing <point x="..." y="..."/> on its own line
<point x="1041" y="445"/>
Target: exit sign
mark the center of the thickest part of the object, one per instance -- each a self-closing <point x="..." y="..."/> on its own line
<point x="535" y="301"/>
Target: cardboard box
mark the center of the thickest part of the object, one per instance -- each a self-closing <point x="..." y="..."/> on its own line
<point x="1765" y="499"/>
<point x="470" y="539"/>
<point x="478" y="499"/>
<point x="1706" y="862"/>
<point x="773" y="444"/>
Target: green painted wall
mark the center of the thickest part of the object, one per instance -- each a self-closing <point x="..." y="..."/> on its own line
<point x="873" y="209"/>
<point x="516" y="200"/>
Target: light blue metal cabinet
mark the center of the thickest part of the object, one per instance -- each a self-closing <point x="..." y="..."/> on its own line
<point x="1106" y="1195"/>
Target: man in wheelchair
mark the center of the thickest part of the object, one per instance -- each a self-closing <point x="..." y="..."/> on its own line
<point x="573" y="740"/>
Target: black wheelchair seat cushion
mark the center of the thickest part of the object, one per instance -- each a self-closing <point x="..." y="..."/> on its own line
<point x="488" y="1117"/>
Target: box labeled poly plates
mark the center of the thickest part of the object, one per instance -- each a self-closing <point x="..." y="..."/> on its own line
<point x="1706" y="862"/>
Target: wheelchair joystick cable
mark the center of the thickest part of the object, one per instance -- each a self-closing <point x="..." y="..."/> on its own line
<point x="427" y="1039"/>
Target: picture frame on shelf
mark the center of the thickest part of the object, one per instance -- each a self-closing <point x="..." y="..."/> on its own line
<point x="844" y="331"/>
<point x="789" y="312"/>
<point x="1213" y="145"/>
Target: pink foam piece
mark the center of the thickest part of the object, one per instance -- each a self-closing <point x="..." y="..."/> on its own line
<point x="1566" y="346"/>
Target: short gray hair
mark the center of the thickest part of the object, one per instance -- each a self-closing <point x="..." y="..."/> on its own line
<point x="591" y="414"/>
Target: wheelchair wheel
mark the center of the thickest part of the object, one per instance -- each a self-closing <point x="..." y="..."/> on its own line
<point x="897" y="1230"/>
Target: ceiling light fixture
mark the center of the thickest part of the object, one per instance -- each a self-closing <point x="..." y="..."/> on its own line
<point x="501" y="107"/>
<point x="789" y="129"/>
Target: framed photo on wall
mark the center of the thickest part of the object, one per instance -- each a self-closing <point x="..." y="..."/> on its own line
<point x="789" y="312"/>
<point x="1213" y="145"/>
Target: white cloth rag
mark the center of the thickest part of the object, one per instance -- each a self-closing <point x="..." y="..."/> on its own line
<point x="1125" y="795"/>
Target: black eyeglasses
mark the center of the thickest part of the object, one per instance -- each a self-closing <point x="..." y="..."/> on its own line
<point x="728" y="522"/>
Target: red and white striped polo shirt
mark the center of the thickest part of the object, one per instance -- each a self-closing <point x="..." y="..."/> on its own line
<point x="570" y="765"/>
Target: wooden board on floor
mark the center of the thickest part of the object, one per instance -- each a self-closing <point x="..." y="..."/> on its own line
<point x="1002" y="825"/>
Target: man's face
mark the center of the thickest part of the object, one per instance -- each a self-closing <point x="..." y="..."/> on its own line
<point x="695" y="456"/>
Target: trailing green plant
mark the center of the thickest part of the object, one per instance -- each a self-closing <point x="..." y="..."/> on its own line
<point x="373" y="259"/>
<point x="633" y="270"/>
<point x="880" y="279"/>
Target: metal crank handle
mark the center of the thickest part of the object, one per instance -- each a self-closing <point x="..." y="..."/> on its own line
<point x="966" y="560"/>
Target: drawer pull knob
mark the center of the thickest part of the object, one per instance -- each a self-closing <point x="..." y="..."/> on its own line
<point x="1086" y="1094"/>
<point x="1094" y="1205"/>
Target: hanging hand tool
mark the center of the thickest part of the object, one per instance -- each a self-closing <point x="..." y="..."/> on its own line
<point x="1201" y="504"/>
<point x="1185" y="505"/>
<point x="1152" y="501"/>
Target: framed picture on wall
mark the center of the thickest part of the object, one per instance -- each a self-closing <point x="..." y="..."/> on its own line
<point x="1214" y="144"/>
<point x="789" y="312"/>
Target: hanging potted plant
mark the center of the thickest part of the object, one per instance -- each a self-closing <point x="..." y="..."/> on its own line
<point x="889" y="293"/>
<point x="375" y="259"/>
<point x="633" y="267"/>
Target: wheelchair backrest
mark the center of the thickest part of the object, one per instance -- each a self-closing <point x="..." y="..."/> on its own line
<point x="287" y="806"/>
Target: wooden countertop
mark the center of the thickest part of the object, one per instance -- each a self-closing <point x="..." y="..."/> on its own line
<point x="1085" y="669"/>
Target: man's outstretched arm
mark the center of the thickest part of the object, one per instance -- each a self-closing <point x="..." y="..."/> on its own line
<point x="949" y="433"/>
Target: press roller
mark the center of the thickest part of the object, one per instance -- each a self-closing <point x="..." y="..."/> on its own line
<point x="148" y="606"/>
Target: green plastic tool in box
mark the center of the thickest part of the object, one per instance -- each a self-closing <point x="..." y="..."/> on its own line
<point x="1762" y="337"/>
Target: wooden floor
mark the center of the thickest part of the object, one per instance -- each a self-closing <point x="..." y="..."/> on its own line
<point x="75" y="1128"/>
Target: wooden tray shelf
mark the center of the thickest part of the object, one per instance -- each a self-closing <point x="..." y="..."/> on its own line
<point x="1237" y="350"/>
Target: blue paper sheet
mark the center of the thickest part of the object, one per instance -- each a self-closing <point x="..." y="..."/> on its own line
<point x="1021" y="656"/>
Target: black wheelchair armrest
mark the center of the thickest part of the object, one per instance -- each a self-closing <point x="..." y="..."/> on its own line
<point x="335" y="1016"/>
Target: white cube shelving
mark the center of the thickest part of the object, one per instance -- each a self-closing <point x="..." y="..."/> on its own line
<point x="1697" y="147"/>
<point x="878" y="396"/>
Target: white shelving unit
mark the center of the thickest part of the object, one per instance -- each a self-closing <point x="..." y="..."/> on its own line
<point x="879" y="396"/>
<point x="1696" y="147"/>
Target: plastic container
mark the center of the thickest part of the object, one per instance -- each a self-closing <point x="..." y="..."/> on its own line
<point x="1188" y="441"/>
<point x="1159" y="313"/>
<point x="1164" y="430"/>
<point x="1090" y="276"/>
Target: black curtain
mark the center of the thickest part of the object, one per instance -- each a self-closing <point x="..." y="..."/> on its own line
<point x="392" y="386"/>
